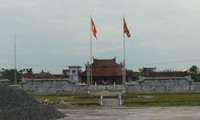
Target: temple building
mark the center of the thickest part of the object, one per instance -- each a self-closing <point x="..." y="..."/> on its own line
<point x="104" y="72"/>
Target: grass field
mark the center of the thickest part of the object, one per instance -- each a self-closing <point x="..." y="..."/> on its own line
<point x="175" y="99"/>
<point x="71" y="99"/>
<point x="130" y="100"/>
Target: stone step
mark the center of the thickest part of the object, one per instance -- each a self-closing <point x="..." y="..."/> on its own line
<point x="111" y="102"/>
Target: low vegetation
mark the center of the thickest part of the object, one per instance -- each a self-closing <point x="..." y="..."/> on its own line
<point x="175" y="99"/>
<point x="70" y="99"/>
<point x="196" y="77"/>
<point x="130" y="100"/>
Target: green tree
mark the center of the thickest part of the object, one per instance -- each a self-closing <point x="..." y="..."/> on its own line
<point x="29" y="71"/>
<point x="26" y="71"/>
<point x="193" y="69"/>
<point x="9" y="73"/>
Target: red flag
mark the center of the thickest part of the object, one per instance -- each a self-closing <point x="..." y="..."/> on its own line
<point x="94" y="28"/>
<point x="126" y="31"/>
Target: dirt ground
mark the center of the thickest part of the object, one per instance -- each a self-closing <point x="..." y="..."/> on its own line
<point x="137" y="113"/>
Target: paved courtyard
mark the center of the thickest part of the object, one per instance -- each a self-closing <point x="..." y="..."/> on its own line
<point x="137" y="113"/>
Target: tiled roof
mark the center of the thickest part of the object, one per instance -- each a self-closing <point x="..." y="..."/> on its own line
<point x="44" y="75"/>
<point x="29" y="76"/>
<point x="106" y="67"/>
<point x="168" y="74"/>
<point x="74" y="66"/>
<point x="41" y="75"/>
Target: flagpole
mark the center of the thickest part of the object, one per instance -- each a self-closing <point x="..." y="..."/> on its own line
<point x="90" y="50"/>
<point x="124" y="62"/>
<point x="124" y="65"/>
<point x="126" y="31"/>
<point x="15" y="68"/>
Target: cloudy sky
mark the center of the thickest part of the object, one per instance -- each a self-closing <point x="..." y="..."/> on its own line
<point x="54" y="34"/>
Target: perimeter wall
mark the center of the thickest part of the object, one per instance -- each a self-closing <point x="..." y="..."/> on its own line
<point x="143" y="85"/>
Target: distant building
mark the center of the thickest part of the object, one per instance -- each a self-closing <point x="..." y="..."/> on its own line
<point x="151" y="72"/>
<point x="169" y="74"/>
<point x="74" y="72"/>
<point x="105" y="72"/>
<point x="65" y="72"/>
<point x="147" y="71"/>
<point x="41" y="75"/>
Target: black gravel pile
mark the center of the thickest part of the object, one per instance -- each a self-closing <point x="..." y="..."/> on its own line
<point x="17" y="105"/>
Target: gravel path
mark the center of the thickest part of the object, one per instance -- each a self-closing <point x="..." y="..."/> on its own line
<point x="140" y="113"/>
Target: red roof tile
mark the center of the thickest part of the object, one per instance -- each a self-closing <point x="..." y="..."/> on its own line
<point x="106" y="67"/>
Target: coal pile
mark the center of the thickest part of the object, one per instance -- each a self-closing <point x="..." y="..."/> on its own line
<point x="17" y="105"/>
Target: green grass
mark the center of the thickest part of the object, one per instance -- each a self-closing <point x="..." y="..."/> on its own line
<point x="73" y="99"/>
<point x="130" y="100"/>
<point x="175" y="99"/>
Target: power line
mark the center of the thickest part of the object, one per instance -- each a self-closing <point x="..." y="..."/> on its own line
<point x="165" y="63"/>
<point x="33" y="65"/>
<point x="145" y="64"/>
